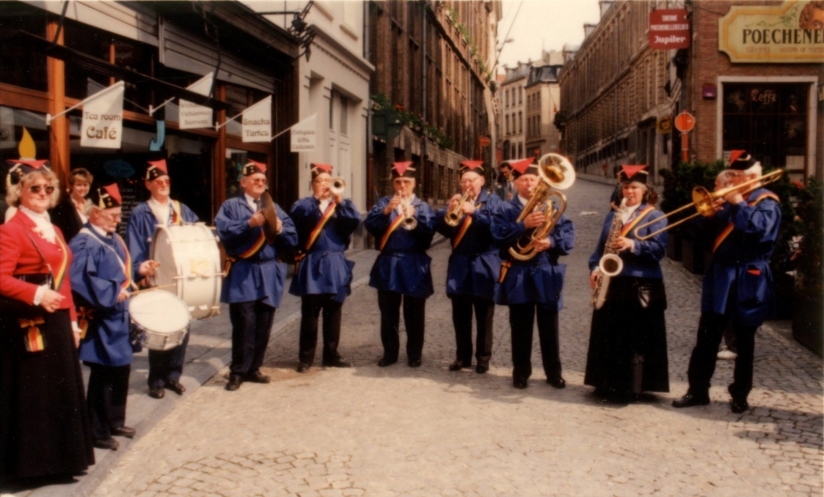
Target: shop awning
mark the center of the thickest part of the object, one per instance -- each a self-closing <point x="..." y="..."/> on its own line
<point x="163" y="89"/>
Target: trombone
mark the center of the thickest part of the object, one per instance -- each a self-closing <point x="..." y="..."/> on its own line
<point x="704" y="201"/>
<point x="453" y="217"/>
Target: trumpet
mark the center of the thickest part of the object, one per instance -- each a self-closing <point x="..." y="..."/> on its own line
<point x="704" y="201"/>
<point x="337" y="185"/>
<point x="453" y="217"/>
<point x="409" y="221"/>
<point x="555" y="171"/>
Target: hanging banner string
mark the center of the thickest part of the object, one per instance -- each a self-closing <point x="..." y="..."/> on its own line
<point x="50" y="118"/>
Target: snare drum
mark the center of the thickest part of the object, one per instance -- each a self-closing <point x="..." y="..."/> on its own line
<point x="162" y="317"/>
<point x="190" y="264"/>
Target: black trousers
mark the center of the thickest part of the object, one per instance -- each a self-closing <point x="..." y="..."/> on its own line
<point x="167" y="365"/>
<point x="251" y="327"/>
<point x="106" y="398"/>
<point x="310" y="307"/>
<point x="521" y="321"/>
<point x="414" y="310"/>
<point x="702" y="362"/>
<point x="462" y="307"/>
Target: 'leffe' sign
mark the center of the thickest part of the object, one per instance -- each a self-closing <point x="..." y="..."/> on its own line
<point x="102" y="125"/>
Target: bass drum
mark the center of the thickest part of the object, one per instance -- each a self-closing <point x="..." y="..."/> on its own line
<point x="162" y="318"/>
<point x="190" y="265"/>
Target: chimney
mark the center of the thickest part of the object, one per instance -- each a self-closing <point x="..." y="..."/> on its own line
<point x="605" y="5"/>
<point x="588" y="29"/>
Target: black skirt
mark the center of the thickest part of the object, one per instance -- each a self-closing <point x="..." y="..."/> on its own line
<point x="628" y="338"/>
<point x="44" y="425"/>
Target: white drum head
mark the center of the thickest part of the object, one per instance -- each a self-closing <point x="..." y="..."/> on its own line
<point x="158" y="311"/>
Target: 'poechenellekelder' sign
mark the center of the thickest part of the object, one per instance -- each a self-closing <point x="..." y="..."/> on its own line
<point x="790" y="32"/>
<point x="669" y="28"/>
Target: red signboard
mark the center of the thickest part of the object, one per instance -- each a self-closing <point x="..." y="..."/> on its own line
<point x="684" y="122"/>
<point x="484" y="141"/>
<point x="669" y="28"/>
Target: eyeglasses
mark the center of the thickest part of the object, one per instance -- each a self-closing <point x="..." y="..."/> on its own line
<point x="259" y="181"/>
<point x="36" y="189"/>
<point x="163" y="182"/>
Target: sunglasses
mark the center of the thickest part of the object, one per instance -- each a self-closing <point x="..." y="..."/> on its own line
<point x="36" y="189"/>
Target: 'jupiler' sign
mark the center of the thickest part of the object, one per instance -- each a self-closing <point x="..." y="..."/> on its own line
<point x="669" y="28"/>
<point x="791" y="32"/>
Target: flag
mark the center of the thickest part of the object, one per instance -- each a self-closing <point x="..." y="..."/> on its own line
<point x="102" y="125"/>
<point x="257" y="121"/>
<point x="193" y="116"/>
<point x="304" y="135"/>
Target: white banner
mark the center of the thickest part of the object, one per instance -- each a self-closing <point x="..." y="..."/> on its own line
<point x="257" y="121"/>
<point x="102" y="125"/>
<point x="304" y="135"/>
<point x="193" y="116"/>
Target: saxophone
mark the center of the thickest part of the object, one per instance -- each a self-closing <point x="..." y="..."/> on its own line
<point x="610" y="263"/>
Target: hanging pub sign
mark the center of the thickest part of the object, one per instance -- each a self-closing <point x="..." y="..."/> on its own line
<point x="193" y="116"/>
<point x="669" y="29"/>
<point x="791" y="32"/>
<point x="257" y="121"/>
<point x="102" y="125"/>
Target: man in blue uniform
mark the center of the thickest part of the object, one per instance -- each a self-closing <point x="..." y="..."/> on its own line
<point x="254" y="284"/>
<point x="101" y="274"/>
<point x="165" y="366"/>
<point x="473" y="267"/>
<point x="325" y="223"/>
<point x="737" y="284"/>
<point x="403" y="227"/>
<point x="533" y="286"/>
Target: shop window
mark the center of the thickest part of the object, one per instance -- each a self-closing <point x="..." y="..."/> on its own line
<point x="22" y="65"/>
<point x="767" y="120"/>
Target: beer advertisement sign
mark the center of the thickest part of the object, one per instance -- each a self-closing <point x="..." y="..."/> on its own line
<point x="792" y="32"/>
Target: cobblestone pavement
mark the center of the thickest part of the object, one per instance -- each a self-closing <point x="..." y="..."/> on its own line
<point x="369" y="431"/>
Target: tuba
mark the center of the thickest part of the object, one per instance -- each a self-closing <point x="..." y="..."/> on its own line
<point x="453" y="217"/>
<point x="556" y="172"/>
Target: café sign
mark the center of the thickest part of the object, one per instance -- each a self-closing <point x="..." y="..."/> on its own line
<point x="792" y="32"/>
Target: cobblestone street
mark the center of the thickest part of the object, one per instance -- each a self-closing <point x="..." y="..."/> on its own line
<point x="369" y="431"/>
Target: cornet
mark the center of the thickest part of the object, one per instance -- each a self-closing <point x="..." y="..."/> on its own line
<point x="704" y="201"/>
<point x="453" y="217"/>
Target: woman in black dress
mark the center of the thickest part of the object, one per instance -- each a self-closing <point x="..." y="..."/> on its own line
<point x="68" y="214"/>
<point x="44" y="425"/>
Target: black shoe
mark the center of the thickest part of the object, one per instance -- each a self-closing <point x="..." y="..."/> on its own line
<point x="234" y="382"/>
<point x="385" y="361"/>
<point x="156" y="392"/>
<point x="481" y="368"/>
<point x="176" y="387"/>
<point x="303" y="367"/>
<point x="123" y="431"/>
<point x="414" y="363"/>
<point x="738" y="405"/>
<point x="107" y="443"/>
<point x="459" y="365"/>
<point x="257" y="377"/>
<point x="337" y="363"/>
<point x="557" y="382"/>
<point x="690" y="400"/>
<point x="519" y="383"/>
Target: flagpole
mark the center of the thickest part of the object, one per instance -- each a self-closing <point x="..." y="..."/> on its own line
<point x="50" y="118"/>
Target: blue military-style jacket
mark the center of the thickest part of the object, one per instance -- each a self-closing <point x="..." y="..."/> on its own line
<point x="255" y="273"/>
<point x="643" y="260"/>
<point x="141" y="228"/>
<point x="324" y="269"/>
<point x="97" y="275"/>
<point x="541" y="279"/>
<point x="402" y="266"/>
<point x="738" y="281"/>
<point x="474" y="265"/>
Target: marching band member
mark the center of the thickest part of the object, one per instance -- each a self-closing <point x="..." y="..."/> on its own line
<point x="325" y="223"/>
<point x="254" y="284"/>
<point x="737" y="285"/>
<point x="69" y="214"/>
<point x="101" y="275"/>
<point x="628" y="337"/>
<point x="165" y="366"/>
<point x="44" y="426"/>
<point x="403" y="227"/>
<point x="533" y="286"/>
<point x="474" y="267"/>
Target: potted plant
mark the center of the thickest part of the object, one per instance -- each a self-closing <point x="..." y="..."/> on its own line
<point x="808" y="322"/>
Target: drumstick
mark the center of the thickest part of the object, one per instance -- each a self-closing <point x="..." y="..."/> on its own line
<point x="152" y="288"/>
